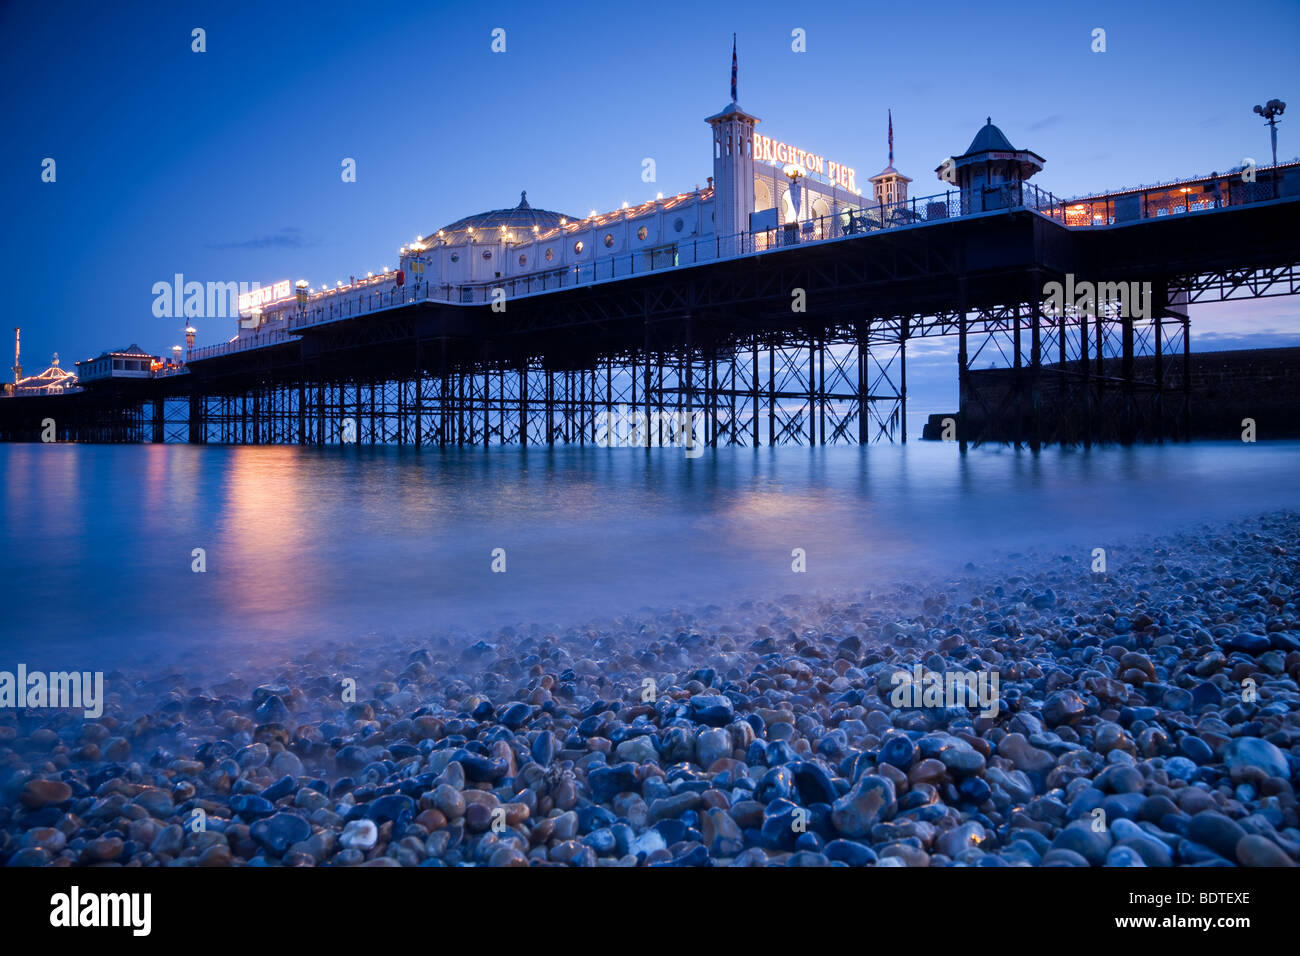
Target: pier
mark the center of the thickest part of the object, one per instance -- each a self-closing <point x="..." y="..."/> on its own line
<point x="768" y="338"/>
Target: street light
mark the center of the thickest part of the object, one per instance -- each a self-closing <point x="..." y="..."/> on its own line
<point x="190" y="333"/>
<point x="301" y="287"/>
<point x="176" y="354"/>
<point x="1271" y="111"/>
<point x="795" y="172"/>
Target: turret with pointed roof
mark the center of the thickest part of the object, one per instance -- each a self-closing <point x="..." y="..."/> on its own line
<point x="733" y="163"/>
<point x="991" y="171"/>
<point x="890" y="185"/>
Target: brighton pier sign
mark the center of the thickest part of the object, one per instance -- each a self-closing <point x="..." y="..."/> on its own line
<point x="265" y="295"/>
<point x="770" y="150"/>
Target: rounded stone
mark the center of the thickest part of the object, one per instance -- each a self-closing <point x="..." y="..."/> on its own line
<point x="1246" y="752"/>
<point x="359" y="835"/>
<point x="871" y="800"/>
<point x="1255" y="850"/>
<point x="44" y="793"/>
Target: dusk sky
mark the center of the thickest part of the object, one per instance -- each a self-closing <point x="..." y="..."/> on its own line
<point x="225" y="165"/>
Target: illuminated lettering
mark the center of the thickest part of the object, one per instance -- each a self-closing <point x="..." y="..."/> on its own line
<point x="770" y="150"/>
<point x="264" y="296"/>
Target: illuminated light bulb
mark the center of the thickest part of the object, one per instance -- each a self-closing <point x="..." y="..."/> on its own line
<point x="593" y="214"/>
<point x="659" y="195"/>
<point x="370" y="275"/>
<point x="624" y="203"/>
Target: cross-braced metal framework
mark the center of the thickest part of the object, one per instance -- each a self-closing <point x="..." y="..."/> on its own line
<point x="768" y="389"/>
<point x="1083" y="376"/>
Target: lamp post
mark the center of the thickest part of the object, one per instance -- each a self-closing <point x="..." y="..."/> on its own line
<point x="176" y="355"/>
<point x="1271" y="111"/>
<point x="795" y="172"/>
<point x="190" y="333"/>
<point x="417" y="263"/>
<point x="300" y="288"/>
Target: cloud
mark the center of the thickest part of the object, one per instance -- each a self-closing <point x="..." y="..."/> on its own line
<point x="290" y="237"/>
<point x="1045" y="122"/>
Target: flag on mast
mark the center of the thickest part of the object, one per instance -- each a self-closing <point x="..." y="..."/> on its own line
<point x="733" y="68"/>
<point x="891" y="137"/>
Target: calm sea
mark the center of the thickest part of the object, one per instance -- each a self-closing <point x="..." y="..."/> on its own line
<point x="304" y="546"/>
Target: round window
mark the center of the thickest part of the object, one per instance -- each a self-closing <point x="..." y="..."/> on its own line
<point x="577" y="247"/>
<point x="550" y="254"/>
<point x="523" y="260"/>
<point x="677" y="224"/>
<point x="642" y="232"/>
<point x="455" y="257"/>
<point x="609" y="239"/>
<point x="487" y="253"/>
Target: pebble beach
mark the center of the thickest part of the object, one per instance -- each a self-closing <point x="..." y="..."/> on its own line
<point x="1148" y="715"/>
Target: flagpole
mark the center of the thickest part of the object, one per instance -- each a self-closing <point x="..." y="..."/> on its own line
<point x="733" y="68"/>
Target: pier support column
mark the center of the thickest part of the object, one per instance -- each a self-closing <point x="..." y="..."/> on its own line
<point x="862" y="332"/>
<point x="523" y="403"/>
<point x="904" y="330"/>
<point x="687" y="382"/>
<point x="812" y="390"/>
<point x="771" y="393"/>
<point x="1018" y="377"/>
<point x="1128" y="420"/>
<point x="821" y="386"/>
<point x="196" y="422"/>
<point x="1035" y="362"/>
<point x="963" y="369"/>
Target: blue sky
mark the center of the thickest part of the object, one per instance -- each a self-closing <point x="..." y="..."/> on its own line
<point x="224" y="165"/>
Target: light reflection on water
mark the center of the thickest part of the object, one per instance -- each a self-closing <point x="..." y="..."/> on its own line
<point x="305" y="545"/>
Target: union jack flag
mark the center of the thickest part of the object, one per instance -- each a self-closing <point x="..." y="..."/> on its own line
<point x="733" y="68"/>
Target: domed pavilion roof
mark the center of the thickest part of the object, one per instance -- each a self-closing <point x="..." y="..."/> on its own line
<point x="518" y="222"/>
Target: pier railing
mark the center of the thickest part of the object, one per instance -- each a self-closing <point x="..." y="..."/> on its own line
<point x="379" y="294"/>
